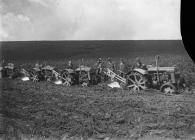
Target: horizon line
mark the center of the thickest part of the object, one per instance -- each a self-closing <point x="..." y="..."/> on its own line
<point x="89" y="40"/>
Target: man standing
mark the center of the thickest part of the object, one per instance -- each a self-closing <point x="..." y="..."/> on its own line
<point x="1" y="68"/>
<point x="138" y="64"/>
<point x="121" y="67"/>
<point x="111" y="67"/>
<point x="98" y="66"/>
<point x="70" y="65"/>
<point x="110" y="64"/>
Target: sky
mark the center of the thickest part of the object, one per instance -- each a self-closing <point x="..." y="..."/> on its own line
<point x="23" y="20"/>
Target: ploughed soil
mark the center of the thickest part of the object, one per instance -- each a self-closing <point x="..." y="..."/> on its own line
<point x="47" y="111"/>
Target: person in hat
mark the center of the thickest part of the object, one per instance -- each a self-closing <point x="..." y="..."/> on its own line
<point x="139" y="64"/>
<point x="98" y="66"/>
<point x="2" y="63"/>
<point x="37" y="67"/>
<point x="70" y="65"/>
<point x="121" y="67"/>
<point x="1" y="68"/>
<point x="110" y="64"/>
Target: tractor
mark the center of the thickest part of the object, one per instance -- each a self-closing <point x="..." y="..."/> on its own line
<point x="67" y="76"/>
<point x="64" y="77"/>
<point x="36" y="74"/>
<point x="164" y="79"/>
<point x="88" y="75"/>
<point x="8" y="71"/>
<point x="13" y="72"/>
<point x="160" y="78"/>
<point x="49" y="73"/>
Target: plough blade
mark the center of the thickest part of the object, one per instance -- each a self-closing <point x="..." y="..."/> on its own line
<point x="114" y="85"/>
<point x="25" y="78"/>
<point x="58" y="82"/>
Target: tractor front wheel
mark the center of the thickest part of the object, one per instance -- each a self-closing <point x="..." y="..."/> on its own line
<point x="168" y="89"/>
<point x="84" y="78"/>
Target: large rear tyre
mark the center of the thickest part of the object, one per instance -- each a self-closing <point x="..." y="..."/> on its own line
<point x="67" y="78"/>
<point x="35" y="78"/>
<point x="136" y="82"/>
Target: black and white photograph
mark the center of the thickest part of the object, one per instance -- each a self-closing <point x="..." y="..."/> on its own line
<point x="95" y="70"/>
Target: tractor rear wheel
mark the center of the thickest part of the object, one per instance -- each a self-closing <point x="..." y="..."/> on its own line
<point x="67" y="78"/>
<point x="67" y="83"/>
<point x="35" y="78"/>
<point x="136" y="82"/>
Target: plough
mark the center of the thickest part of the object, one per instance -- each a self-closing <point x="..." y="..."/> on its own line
<point x="164" y="79"/>
<point x="113" y="76"/>
<point x="62" y="80"/>
<point x="133" y="80"/>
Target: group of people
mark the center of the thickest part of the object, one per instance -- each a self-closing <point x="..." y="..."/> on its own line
<point x="121" y="67"/>
<point x="99" y="65"/>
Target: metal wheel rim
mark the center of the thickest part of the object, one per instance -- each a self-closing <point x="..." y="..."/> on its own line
<point x="67" y="83"/>
<point x="64" y="74"/>
<point x="137" y="83"/>
<point x="34" y="78"/>
<point x="168" y="90"/>
<point x="84" y="84"/>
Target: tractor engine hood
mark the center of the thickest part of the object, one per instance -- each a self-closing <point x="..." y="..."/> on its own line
<point x="83" y="68"/>
<point x="168" y="69"/>
<point x="141" y="71"/>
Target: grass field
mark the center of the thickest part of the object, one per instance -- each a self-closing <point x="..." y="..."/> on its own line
<point x="47" y="111"/>
<point x="62" y="50"/>
<point x="43" y="110"/>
